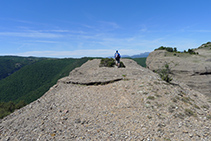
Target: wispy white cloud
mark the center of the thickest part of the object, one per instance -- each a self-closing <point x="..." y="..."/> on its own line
<point x="109" y="24"/>
<point x="143" y="28"/>
<point x="79" y="53"/>
<point x="57" y="31"/>
<point x="44" y="41"/>
<point x="31" y="34"/>
<point x="201" y="31"/>
<point x="75" y="53"/>
<point x="99" y="39"/>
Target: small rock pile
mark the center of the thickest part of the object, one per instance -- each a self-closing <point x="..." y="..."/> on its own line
<point x="138" y="106"/>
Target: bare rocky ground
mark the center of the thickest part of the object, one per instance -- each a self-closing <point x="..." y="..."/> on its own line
<point x="193" y="70"/>
<point x="130" y="103"/>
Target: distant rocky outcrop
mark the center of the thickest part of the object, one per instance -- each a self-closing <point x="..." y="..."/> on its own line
<point x="100" y="103"/>
<point x="191" y="69"/>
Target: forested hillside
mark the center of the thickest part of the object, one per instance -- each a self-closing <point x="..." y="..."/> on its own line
<point x="141" y="61"/>
<point x="32" y="81"/>
<point x="10" y="64"/>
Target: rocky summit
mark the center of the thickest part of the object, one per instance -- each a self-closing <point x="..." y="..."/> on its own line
<point x="100" y="103"/>
<point x="191" y="69"/>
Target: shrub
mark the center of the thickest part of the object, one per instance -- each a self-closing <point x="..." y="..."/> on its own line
<point x="107" y="62"/>
<point x="209" y="116"/>
<point x="164" y="74"/>
<point x="191" y="51"/>
<point x="169" y="49"/>
<point x="122" y="65"/>
<point x="3" y="113"/>
<point x="205" y="106"/>
<point x="151" y="97"/>
<point x="20" y="104"/>
<point x="8" y="107"/>
<point x="189" y="112"/>
<point x="196" y="106"/>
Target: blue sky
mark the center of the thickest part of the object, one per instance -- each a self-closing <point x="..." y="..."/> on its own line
<point x="78" y="28"/>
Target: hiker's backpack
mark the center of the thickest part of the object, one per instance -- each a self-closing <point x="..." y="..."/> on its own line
<point x="117" y="57"/>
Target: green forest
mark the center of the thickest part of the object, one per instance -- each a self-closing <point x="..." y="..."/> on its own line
<point x="33" y="78"/>
<point x="11" y="64"/>
<point x="141" y="61"/>
<point x="32" y="81"/>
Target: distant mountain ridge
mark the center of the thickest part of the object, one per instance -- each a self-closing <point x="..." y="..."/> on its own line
<point x="141" y="55"/>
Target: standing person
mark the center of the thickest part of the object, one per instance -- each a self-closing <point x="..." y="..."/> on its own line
<point x="117" y="58"/>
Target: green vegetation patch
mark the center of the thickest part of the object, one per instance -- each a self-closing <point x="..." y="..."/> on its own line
<point x="110" y="62"/>
<point x="206" y="45"/>
<point x="151" y="97"/>
<point x="8" y="107"/>
<point x="11" y="64"/>
<point x="107" y="62"/>
<point x="164" y="73"/>
<point x="32" y="81"/>
<point x="206" y="106"/>
<point x="189" y="112"/>
<point x="141" y="61"/>
<point x="187" y="100"/>
<point x="170" y="49"/>
<point x="209" y="116"/>
<point x="122" y="65"/>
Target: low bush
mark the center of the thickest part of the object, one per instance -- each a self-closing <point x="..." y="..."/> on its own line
<point x="8" y="107"/>
<point x="189" y="112"/>
<point x="169" y="49"/>
<point x="107" y="62"/>
<point x="122" y="65"/>
<point x="164" y="74"/>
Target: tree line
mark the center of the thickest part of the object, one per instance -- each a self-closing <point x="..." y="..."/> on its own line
<point x="171" y="49"/>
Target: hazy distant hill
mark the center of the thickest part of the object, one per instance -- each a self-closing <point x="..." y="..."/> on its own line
<point x="141" y="55"/>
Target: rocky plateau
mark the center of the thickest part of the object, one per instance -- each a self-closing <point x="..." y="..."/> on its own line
<point x="191" y="69"/>
<point x="100" y="103"/>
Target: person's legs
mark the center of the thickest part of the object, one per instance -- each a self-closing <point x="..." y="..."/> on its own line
<point x="118" y="63"/>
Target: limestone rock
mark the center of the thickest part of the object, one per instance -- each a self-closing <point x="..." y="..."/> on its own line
<point x="73" y="110"/>
<point x="193" y="70"/>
